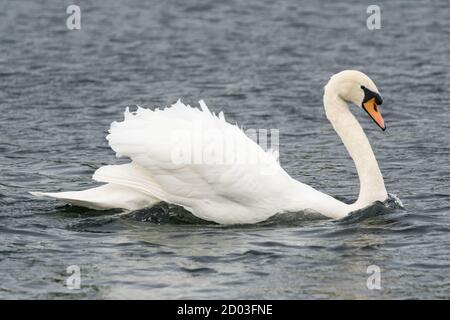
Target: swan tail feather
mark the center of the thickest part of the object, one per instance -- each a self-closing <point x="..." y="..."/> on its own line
<point x="133" y="176"/>
<point x="108" y="196"/>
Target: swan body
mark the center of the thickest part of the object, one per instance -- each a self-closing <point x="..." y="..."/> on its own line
<point x="193" y="158"/>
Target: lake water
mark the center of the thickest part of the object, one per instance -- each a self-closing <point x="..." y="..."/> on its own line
<point x="264" y="64"/>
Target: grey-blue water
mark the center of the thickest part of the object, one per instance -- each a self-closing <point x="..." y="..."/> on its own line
<point x="264" y="63"/>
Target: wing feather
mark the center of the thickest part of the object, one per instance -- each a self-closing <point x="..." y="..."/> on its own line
<point x="200" y="161"/>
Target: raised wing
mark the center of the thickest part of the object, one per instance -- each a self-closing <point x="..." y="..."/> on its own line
<point x="193" y="158"/>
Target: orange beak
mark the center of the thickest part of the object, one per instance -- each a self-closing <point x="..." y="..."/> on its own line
<point x="371" y="107"/>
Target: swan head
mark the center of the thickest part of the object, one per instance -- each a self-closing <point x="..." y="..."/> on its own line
<point x="355" y="87"/>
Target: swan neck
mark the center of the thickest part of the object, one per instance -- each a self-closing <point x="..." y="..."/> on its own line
<point x="355" y="140"/>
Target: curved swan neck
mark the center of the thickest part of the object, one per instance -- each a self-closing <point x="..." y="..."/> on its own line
<point x="355" y="140"/>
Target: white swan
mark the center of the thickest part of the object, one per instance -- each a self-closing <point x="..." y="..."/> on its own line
<point x="190" y="157"/>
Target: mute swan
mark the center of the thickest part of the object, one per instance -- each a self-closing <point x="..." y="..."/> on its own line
<point x="230" y="192"/>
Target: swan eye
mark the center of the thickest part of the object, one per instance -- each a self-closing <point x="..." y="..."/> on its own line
<point x="369" y="94"/>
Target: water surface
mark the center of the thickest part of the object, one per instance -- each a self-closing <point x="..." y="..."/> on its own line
<point x="264" y="64"/>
